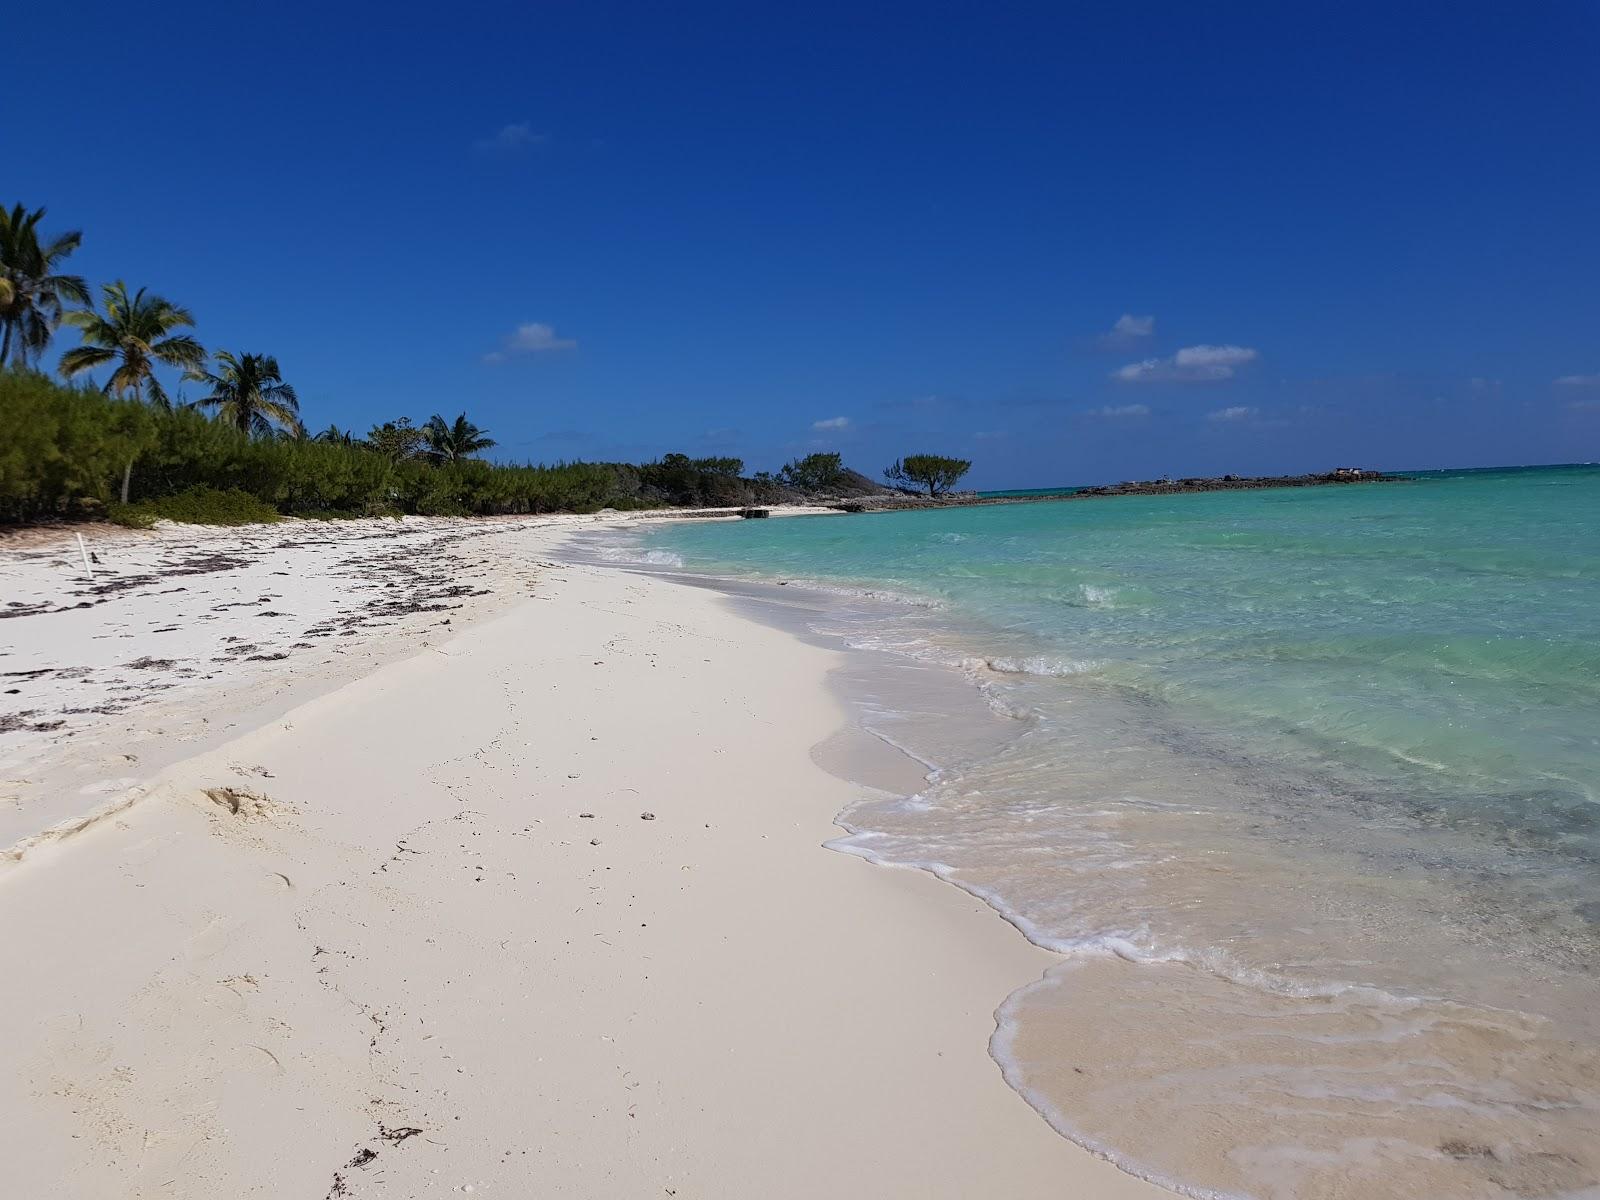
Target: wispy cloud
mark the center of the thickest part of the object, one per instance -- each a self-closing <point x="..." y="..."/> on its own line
<point x="1238" y="412"/>
<point x="1192" y="364"/>
<point x="534" y="337"/>
<point x="835" y="424"/>
<point x="1129" y="331"/>
<point x="1584" y="405"/>
<point x="1116" y="412"/>
<point x="990" y="435"/>
<point x="510" y="139"/>
<point x="1579" y="381"/>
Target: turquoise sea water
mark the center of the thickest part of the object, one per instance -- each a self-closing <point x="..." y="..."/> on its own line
<point x="1305" y="785"/>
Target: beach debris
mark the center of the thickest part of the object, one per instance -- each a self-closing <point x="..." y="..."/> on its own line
<point x="396" y="1136"/>
<point x="240" y="802"/>
<point x="594" y="841"/>
<point x="363" y="1156"/>
<point x="647" y="816"/>
<point x="586" y="816"/>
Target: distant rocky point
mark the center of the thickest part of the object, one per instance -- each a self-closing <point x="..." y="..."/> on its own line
<point x="885" y="500"/>
<point x="1228" y="483"/>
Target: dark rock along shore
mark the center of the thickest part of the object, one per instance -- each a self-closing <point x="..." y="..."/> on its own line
<point x="889" y="500"/>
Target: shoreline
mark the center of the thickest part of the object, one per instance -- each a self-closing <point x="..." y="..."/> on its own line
<point x="405" y="927"/>
<point x="27" y="535"/>
<point x="1238" y="974"/>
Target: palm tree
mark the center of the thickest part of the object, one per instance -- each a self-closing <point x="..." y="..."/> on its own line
<point x="452" y="443"/>
<point x="134" y="333"/>
<point x="248" y="392"/>
<point x="334" y="436"/>
<point x="31" y="292"/>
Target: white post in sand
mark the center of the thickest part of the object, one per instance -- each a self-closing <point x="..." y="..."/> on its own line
<point x="84" y="550"/>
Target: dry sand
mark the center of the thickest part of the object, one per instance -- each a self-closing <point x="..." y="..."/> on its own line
<point x="420" y="937"/>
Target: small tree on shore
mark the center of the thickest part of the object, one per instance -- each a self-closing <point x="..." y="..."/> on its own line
<point x="814" y="472"/>
<point x="932" y="471"/>
<point x="398" y="441"/>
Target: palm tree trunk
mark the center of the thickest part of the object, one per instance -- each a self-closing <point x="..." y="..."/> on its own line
<point x="5" y="346"/>
<point x="127" y="476"/>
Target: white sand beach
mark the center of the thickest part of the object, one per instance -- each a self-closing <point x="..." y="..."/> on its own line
<point x="532" y="903"/>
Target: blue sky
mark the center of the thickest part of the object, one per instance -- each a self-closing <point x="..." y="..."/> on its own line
<point x="1071" y="242"/>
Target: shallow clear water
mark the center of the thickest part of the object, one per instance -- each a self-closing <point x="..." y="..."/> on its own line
<point x="1304" y="783"/>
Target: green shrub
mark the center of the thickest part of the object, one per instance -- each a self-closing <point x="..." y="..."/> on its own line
<point x="813" y="473"/>
<point x="679" y="479"/>
<point x="62" y="445"/>
<point x="197" y="506"/>
<point x="130" y="516"/>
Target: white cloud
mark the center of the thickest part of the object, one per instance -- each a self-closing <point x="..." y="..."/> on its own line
<point x="1150" y="368"/>
<point x="1579" y="381"/>
<point x="510" y="138"/>
<point x="834" y="423"/>
<point x="1238" y="412"/>
<point x="1129" y="330"/>
<point x="1214" y="356"/>
<point x="534" y="337"/>
<point x="1192" y="364"/>
<point x="1116" y="411"/>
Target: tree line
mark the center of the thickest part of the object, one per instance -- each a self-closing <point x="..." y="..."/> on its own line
<point x="241" y="450"/>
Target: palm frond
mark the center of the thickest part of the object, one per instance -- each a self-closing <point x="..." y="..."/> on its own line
<point x="90" y="323"/>
<point x="84" y="358"/>
<point x="61" y="245"/>
<point x="73" y="288"/>
<point x="180" y="351"/>
<point x="128" y="377"/>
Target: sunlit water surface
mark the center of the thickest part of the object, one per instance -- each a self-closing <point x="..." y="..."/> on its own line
<point x="1303" y="785"/>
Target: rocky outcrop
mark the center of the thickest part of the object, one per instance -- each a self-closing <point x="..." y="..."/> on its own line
<point x="1229" y="483"/>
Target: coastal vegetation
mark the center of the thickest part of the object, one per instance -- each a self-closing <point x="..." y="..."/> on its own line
<point x="932" y="471"/>
<point x="136" y="332"/>
<point x="454" y="442"/>
<point x="814" y="472"/>
<point x="72" y="450"/>
<point x="128" y="451"/>
<point x="248" y="392"/>
<point x="33" y="290"/>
